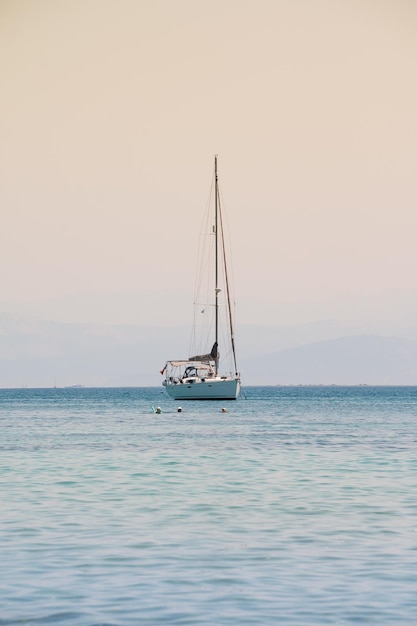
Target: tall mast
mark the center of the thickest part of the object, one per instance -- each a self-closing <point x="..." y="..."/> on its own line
<point x="216" y="271"/>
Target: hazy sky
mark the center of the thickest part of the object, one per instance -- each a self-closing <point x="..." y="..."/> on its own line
<point x="112" y="110"/>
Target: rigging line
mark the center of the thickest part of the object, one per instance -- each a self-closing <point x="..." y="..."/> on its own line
<point x="201" y="281"/>
<point x="232" y="335"/>
<point x="203" y="242"/>
<point x="228" y="240"/>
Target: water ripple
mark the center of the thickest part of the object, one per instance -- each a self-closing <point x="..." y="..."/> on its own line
<point x="298" y="507"/>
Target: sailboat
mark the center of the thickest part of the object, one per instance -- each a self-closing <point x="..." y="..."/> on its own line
<point x="200" y="377"/>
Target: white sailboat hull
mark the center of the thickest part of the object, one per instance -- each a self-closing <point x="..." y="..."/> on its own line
<point x="219" y="389"/>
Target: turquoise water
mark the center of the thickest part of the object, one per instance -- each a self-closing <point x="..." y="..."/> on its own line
<point x="297" y="506"/>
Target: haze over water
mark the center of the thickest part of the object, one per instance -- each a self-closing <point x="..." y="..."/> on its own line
<point x="297" y="506"/>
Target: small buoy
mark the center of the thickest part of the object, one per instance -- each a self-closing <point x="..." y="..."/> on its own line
<point x="224" y="410"/>
<point x="179" y="410"/>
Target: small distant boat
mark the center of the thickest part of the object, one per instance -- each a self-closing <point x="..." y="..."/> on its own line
<point x="199" y="376"/>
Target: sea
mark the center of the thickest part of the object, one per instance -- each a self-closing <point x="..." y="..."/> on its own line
<point x="297" y="506"/>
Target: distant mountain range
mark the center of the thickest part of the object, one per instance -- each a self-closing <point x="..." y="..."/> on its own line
<point x="354" y="360"/>
<point x="39" y="353"/>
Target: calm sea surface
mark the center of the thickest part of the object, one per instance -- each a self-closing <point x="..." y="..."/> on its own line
<point x="297" y="506"/>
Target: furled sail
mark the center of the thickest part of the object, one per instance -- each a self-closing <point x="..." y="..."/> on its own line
<point x="206" y="358"/>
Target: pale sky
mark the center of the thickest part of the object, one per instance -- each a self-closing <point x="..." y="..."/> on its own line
<point x="112" y="110"/>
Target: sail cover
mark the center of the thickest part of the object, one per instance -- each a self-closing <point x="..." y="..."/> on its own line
<point x="206" y="358"/>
